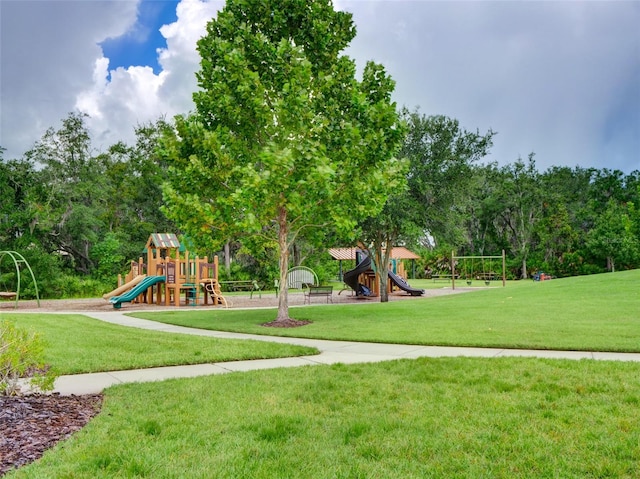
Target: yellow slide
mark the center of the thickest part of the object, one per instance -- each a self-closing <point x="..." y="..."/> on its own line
<point x="124" y="287"/>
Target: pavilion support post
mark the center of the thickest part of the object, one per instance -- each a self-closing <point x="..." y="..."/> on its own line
<point x="453" y="271"/>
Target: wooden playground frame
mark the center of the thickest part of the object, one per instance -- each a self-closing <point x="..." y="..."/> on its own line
<point x="184" y="274"/>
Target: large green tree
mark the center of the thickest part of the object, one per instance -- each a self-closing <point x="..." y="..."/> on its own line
<point x="520" y="207"/>
<point x="283" y="133"/>
<point x="17" y="184"/>
<point x="69" y="207"/>
<point x="613" y="238"/>
<point x="441" y="157"/>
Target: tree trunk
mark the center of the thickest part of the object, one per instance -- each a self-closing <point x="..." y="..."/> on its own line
<point x="382" y="265"/>
<point x="384" y="280"/>
<point x="283" y="298"/>
<point x="524" y="268"/>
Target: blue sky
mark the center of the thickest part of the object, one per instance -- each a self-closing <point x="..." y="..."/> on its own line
<point x="557" y="78"/>
<point x="139" y="45"/>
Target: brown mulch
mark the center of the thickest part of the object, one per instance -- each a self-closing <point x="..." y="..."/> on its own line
<point x="29" y="425"/>
<point x="286" y="323"/>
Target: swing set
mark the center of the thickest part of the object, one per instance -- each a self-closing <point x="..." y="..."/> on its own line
<point x="479" y="268"/>
<point x="18" y="262"/>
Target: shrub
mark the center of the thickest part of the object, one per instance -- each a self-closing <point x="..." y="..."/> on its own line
<point x="21" y="361"/>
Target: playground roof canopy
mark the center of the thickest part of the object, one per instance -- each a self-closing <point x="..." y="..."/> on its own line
<point x="163" y="240"/>
<point x="398" y="252"/>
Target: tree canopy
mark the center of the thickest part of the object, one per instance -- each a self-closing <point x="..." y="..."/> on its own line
<point x="284" y="137"/>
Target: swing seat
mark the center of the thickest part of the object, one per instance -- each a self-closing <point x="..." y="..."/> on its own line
<point x="7" y="295"/>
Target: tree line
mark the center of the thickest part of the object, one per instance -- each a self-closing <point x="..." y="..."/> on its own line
<point x="79" y="216"/>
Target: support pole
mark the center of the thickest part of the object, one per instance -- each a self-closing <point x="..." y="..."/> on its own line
<point x="453" y="271"/>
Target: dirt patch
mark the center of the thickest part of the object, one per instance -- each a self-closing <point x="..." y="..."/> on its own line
<point x="265" y="300"/>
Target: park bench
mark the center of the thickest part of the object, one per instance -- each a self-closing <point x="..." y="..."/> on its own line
<point x="251" y="285"/>
<point x="311" y="291"/>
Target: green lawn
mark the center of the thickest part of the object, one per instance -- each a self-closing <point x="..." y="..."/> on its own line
<point x="600" y="312"/>
<point x="425" y="418"/>
<point x="78" y="344"/>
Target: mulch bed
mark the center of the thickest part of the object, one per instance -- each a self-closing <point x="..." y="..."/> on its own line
<point x="286" y="323"/>
<point x="29" y="425"/>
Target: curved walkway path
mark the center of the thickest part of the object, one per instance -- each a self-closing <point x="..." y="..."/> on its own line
<point x="331" y="352"/>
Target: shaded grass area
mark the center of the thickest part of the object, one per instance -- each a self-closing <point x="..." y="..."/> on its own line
<point x="437" y="418"/>
<point x="78" y="344"/>
<point x="594" y="313"/>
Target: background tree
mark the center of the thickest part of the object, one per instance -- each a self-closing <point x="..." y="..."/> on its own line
<point x="564" y="192"/>
<point x="441" y="157"/>
<point x="396" y="223"/>
<point x="133" y="180"/>
<point x="480" y="229"/>
<point x="613" y="237"/>
<point x="282" y="134"/>
<point x="71" y="200"/>
<point x="520" y="202"/>
<point x="18" y="184"/>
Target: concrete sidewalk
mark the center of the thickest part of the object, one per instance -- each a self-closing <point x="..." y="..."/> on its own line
<point x="331" y="352"/>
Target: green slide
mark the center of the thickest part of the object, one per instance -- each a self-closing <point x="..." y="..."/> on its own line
<point x="136" y="291"/>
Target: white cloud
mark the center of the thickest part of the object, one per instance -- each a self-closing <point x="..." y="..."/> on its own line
<point x="63" y="68"/>
<point x="136" y="95"/>
<point x="547" y="76"/>
<point x="48" y="55"/>
<point x="558" y="78"/>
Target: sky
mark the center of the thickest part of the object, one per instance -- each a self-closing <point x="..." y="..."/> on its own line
<point x="560" y="79"/>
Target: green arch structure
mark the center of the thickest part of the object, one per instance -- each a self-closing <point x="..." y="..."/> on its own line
<point x="18" y="259"/>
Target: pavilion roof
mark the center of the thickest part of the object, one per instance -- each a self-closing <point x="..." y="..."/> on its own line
<point x="398" y="252"/>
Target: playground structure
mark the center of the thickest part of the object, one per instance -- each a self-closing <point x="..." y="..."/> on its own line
<point x="478" y="268"/>
<point x="365" y="280"/>
<point x="168" y="274"/>
<point x="18" y="261"/>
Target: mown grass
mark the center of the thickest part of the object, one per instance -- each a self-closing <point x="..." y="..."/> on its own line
<point x="78" y="344"/>
<point x="440" y="418"/>
<point x="600" y="312"/>
<point x="435" y="418"/>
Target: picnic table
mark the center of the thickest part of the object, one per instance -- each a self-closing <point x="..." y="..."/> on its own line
<point x="487" y="276"/>
<point x="443" y="277"/>
<point x="248" y="285"/>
